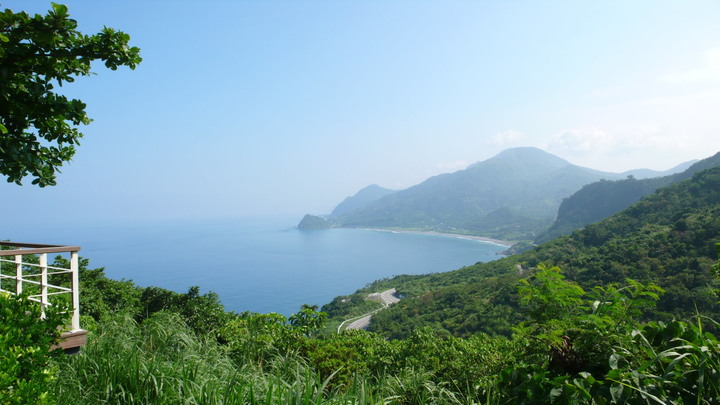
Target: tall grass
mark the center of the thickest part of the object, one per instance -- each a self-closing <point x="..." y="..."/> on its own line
<point x="680" y="363"/>
<point x="161" y="361"/>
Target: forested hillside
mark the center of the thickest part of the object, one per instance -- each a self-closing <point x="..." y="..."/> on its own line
<point x="666" y="239"/>
<point x="367" y="195"/>
<point x="602" y="199"/>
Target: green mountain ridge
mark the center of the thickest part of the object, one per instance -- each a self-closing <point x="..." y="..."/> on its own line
<point x="363" y="197"/>
<point x="514" y="196"/>
<point x="649" y="173"/>
<point x="602" y="199"/>
<point x="527" y="184"/>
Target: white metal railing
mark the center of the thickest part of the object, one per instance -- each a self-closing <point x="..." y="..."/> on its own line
<point x="24" y="268"/>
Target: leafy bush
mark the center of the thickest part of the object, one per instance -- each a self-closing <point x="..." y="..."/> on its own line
<point x="202" y="312"/>
<point x="26" y="370"/>
<point x="603" y="354"/>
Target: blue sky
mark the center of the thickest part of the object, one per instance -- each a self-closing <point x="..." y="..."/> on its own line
<point x="262" y="107"/>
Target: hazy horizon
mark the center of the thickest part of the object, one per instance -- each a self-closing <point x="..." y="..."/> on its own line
<point x="258" y="108"/>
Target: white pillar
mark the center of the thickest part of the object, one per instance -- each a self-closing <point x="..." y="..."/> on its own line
<point x="74" y="266"/>
<point x="43" y="282"/>
<point x="18" y="274"/>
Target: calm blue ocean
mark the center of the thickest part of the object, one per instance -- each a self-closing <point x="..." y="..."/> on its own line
<point x="257" y="264"/>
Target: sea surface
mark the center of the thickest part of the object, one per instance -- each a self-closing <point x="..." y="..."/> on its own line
<point x="258" y="264"/>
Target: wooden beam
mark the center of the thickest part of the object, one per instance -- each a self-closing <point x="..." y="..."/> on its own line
<point x="71" y="340"/>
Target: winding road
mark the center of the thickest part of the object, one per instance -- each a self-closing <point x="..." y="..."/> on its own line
<point x="386" y="298"/>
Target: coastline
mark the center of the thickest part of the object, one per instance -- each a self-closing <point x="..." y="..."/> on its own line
<point x="499" y="242"/>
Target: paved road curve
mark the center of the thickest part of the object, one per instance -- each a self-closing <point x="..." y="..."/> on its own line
<point x="386" y="297"/>
<point x="361" y="323"/>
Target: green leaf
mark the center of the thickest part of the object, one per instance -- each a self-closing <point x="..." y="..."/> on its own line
<point x="37" y="123"/>
<point x="60" y="9"/>
<point x="555" y="393"/>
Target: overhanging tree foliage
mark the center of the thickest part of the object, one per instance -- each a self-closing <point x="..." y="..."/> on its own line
<point x="39" y="127"/>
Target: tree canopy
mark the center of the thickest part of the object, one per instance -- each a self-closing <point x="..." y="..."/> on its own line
<point x="38" y="126"/>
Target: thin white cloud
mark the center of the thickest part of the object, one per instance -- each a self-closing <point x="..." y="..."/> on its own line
<point x="507" y="138"/>
<point x="619" y="138"/>
<point x="622" y="148"/>
<point x="607" y="92"/>
<point x="581" y="140"/>
<point x="709" y="73"/>
<point x="654" y="125"/>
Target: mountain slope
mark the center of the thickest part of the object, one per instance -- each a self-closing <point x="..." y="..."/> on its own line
<point x="602" y="199"/>
<point x="524" y="185"/>
<point x="668" y="239"/>
<point x="312" y="222"/>
<point x="362" y="198"/>
<point x="648" y="173"/>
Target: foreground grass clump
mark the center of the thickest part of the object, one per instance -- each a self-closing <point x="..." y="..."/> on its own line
<point x="583" y="357"/>
<point x="159" y="361"/>
<point x="162" y="361"/>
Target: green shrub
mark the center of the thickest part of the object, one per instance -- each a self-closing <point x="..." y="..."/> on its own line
<point x="26" y="370"/>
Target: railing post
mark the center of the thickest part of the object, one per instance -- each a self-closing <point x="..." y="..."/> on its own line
<point x="50" y="279"/>
<point x="18" y="274"/>
<point x="74" y="266"/>
<point x="43" y="282"/>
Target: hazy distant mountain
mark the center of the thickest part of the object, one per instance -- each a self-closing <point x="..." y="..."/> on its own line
<point x="512" y="195"/>
<point x="312" y="222"/>
<point x="362" y="198"/>
<point x="602" y="199"/>
<point x="648" y="173"/>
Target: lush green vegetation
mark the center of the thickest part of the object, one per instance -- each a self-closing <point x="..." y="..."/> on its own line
<point x="602" y="199"/>
<point x="666" y="239"/>
<point x="26" y="365"/>
<point x="597" y="201"/>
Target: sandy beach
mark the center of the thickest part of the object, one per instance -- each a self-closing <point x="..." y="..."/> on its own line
<point x="452" y="235"/>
